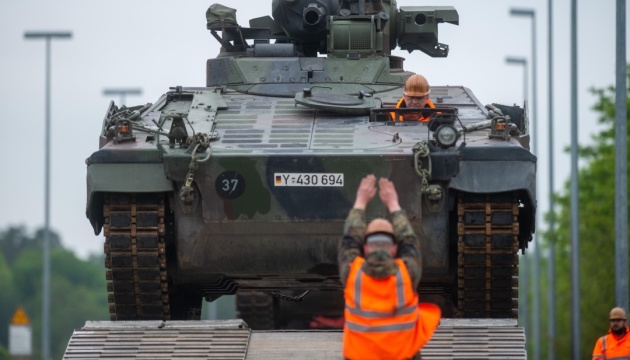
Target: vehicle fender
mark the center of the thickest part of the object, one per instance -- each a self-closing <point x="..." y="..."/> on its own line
<point x="129" y="178"/>
<point x="481" y="177"/>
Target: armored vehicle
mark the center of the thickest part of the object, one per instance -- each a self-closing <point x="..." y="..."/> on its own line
<point x="242" y="186"/>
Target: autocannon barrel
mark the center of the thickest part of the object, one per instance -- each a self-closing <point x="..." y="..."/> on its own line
<point x="314" y="16"/>
<point x="302" y="19"/>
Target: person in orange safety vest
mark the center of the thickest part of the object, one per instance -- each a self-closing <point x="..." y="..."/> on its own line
<point x="380" y="267"/>
<point x="415" y="95"/>
<point x="615" y="345"/>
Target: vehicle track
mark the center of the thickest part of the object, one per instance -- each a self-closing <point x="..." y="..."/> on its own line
<point x="137" y="282"/>
<point x="488" y="247"/>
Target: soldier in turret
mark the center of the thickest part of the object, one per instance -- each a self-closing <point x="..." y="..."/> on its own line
<point x="415" y="95"/>
<point x="380" y="266"/>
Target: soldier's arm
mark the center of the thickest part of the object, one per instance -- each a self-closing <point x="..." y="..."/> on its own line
<point x="351" y="243"/>
<point x="408" y="242"/>
<point x="408" y="245"/>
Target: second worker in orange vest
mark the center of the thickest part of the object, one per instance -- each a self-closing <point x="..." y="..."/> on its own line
<point x="615" y="345"/>
<point x="380" y="266"/>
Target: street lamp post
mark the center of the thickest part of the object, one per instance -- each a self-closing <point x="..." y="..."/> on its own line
<point x="551" y="315"/>
<point x="575" y="199"/>
<point x="512" y="60"/>
<point x="48" y="36"/>
<point x="523" y="311"/>
<point x="621" y="163"/>
<point x="122" y="93"/>
<point x="536" y="263"/>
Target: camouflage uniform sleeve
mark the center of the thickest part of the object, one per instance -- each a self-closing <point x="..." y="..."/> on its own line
<point x="408" y="245"/>
<point x="350" y="245"/>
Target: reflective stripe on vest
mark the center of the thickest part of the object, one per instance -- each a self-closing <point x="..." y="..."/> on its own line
<point x="378" y="314"/>
<point x="381" y="328"/>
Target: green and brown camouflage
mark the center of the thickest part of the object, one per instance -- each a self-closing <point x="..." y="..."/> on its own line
<point x="244" y="184"/>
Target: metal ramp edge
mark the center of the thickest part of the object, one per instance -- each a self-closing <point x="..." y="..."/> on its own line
<point x="476" y="339"/>
<point x="218" y="339"/>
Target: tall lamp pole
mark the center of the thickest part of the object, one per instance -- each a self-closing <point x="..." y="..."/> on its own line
<point x="48" y="36"/>
<point x="575" y="198"/>
<point x="536" y="263"/>
<point x="513" y="60"/>
<point x="122" y="93"/>
<point x="551" y="316"/>
<point x="523" y="311"/>
<point x="621" y="163"/>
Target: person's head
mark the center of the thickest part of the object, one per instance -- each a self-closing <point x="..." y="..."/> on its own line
<point x="617" y="319"/>
<point x="379" y="236"/>
<point x="416" y="92"/>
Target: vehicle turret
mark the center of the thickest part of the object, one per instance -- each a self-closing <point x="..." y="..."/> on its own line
<point x="340" y="28"/>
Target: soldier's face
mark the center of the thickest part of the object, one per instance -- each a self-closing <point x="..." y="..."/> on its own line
<point x="416" y="101"/>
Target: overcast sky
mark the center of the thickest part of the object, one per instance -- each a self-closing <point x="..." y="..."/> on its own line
<point x="157" y="44"/>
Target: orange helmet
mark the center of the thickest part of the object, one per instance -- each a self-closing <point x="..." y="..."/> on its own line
<point x="382" y="227"/>
<point x="417" y="85"/>
<point x="617" y="313"/>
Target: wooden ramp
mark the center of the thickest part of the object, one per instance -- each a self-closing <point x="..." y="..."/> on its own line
<point x="232" y="339"/>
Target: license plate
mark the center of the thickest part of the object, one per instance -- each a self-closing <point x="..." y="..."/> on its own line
<point x="306" y="179"/>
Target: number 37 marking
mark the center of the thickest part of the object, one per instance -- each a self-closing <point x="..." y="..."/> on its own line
<point x="229" y="185"/>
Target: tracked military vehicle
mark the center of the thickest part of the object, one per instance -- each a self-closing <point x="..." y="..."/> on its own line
<point x="242" y="186"/>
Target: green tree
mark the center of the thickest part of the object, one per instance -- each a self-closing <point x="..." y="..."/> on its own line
<point x="78" y="294"/>
<point x="597" y="238"/>
<point x="78" y="289"/>
<point x="4" y="353"/>
<point x="15" y="240"/>
<point x="7" y="299"/>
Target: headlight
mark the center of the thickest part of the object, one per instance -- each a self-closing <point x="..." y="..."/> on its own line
<point x="446" y="136"/>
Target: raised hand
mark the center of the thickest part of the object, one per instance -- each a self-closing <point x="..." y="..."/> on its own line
<point x="365" y="192"/>
<point x="388" y="194"/>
